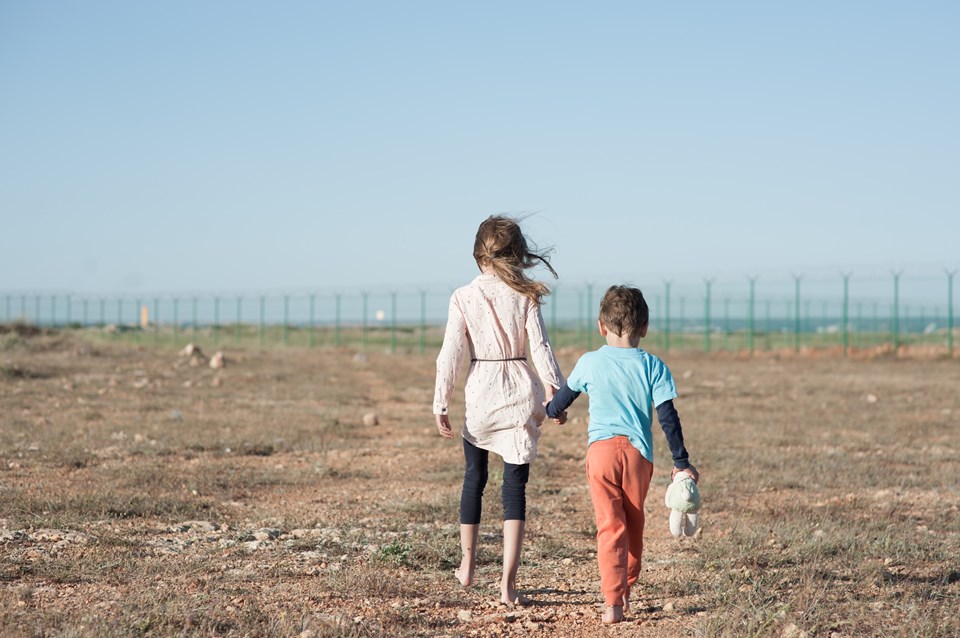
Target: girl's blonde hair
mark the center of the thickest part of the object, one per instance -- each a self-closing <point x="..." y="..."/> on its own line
<point x="501" y="245"/>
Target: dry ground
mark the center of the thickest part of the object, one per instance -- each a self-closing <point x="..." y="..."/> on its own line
<point x="142" y="495"/>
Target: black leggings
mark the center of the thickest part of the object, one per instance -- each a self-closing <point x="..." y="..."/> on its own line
<point x="475" y="479"/>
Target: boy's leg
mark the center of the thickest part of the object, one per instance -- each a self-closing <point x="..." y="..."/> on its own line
<point x="514" y="493"/>
<point x="471" y="502"/>
<point x="637" y="473"/>
<point x="603" y="474"/>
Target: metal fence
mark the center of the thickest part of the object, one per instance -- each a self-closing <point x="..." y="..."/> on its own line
<point x="709" y="314"/>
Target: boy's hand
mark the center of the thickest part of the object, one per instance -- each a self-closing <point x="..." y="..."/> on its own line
<point x="443" y="424"/>
<point x="560" y="420"/>
<point x="692" y="471"/>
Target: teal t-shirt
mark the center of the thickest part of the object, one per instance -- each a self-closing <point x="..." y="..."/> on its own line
<point x="624" y="384"/>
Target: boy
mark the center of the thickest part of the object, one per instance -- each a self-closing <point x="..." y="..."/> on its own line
<point x="622" y="381"/>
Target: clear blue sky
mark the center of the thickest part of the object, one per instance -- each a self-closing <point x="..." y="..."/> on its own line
<point x="251" y="146"/>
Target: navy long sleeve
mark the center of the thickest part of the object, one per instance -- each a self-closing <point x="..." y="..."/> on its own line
<point x="562" y="400"/>
<point x="670" y="422"/>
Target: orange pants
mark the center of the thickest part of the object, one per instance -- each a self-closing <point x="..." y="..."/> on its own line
<point x="619" y="478"/>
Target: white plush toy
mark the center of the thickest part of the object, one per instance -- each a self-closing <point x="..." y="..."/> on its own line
<point x="683" y="499"/>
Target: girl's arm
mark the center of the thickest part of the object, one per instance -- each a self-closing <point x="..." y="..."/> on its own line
<point x="451" y="356"/>
<point x="540" y="350"/>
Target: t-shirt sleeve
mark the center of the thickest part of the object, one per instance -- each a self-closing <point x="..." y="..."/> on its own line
<point x="663" y="388"/>
<point x="577" y="380"/>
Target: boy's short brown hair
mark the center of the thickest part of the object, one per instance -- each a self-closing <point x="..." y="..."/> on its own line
<point x="624" y="311"/>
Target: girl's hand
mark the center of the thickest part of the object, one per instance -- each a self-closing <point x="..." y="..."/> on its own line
<point x="443" y="424"/>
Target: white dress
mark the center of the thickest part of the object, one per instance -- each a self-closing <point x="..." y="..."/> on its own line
<point x="503" y="408"/>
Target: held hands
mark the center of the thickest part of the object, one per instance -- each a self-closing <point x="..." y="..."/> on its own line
<point x="443" y="425"/>
<point x="560" y="420"/>
<point x="692" y="471"/>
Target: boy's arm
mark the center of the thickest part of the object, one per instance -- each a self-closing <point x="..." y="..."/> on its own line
<point x="670" y="422"/>
<point x="562" y="400"/>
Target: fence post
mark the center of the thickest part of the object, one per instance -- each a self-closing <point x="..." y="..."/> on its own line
<point x="85" y="313"/>
<point x="666" y="316"/>
<point x="36" y="320"/>
<point x="119" y="314"/>
<point x="423" y="321"/>
<point x="950" y="276"/>
<point x="313" y="317"/>
<point x="176" y="322"/>
<point x="193" y="316"/>
<point x="706" y="317"/>
<point x="69" y="310"/>
<point x="796" y="313"/>
<point x="53" y="311"/>
<point x="896" y="311"/>
<point x="7" y="317"/>
<point x="751" y="319"/>
<point x="156" y="321"/>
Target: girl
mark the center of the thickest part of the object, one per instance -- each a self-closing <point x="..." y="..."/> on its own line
<point x="495" y="317"/>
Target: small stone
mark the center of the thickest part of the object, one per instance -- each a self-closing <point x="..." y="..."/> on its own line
<point x="464" y="615"/>
<point x="872" y="398"/>
<point x="370" y="418"/>
<point x="176" y="415"/>
<point x="668" y="607"/>
<point x="567" y="561"/>
<point x="217" y="361"/>
<point x="266" y="534"/>
<point x="254" y="545"/>
<point x="360" y="358"/>
<point x="216" y="382"/>
<point x="141" y="383"/>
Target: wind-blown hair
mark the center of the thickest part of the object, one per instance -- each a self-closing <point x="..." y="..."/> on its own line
<point x="500" y="244"/>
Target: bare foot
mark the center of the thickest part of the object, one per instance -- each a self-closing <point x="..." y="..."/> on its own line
<point x="517" y="599"/>
<point x="464" y="575"/>
<point x="510" y="596"/>
<point x="612" y="615"/>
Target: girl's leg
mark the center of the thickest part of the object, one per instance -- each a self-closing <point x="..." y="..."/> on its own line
<point x="471" y="501"/>
<point x="514" y="494"/>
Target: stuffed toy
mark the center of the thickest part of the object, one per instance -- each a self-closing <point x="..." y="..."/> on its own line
<point x="683" y="499"/>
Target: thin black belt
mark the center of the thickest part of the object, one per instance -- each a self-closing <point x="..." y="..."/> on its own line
<point x="510" y="359"/>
